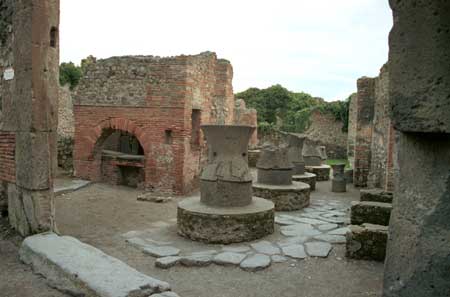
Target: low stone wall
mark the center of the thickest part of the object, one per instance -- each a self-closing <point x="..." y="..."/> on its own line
<point x="367" y="242"/>
<point x="3" y="199"/>
<point x="65" y="153"/>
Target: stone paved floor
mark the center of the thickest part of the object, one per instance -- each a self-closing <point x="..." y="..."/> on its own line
<point x="101" y="215"/>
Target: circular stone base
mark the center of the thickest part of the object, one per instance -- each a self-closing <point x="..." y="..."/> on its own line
<point x="225" y="225"/>
<point x="285" y="198"/>
<point x="338" y="186"/>
<point x="307" y="178"/>
<point x="322" y="172"/>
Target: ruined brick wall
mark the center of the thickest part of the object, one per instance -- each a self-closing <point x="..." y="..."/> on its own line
<point x="66" y="129"/>
<point x="363" y="141"/>
<point x="374" y="136"/>
<point x="352" y="130"/>
<point x="327" y="131"/>
<point x="154" y="99"/>
<point x="380" y="133"/>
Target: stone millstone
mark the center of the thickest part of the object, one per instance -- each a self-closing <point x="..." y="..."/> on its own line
<point x="322" y="172"/>
<point x="225" y="225"/>
<point x="307" y="178"/>
<point x="78" y="268"/>
<point x="285" y="198"/>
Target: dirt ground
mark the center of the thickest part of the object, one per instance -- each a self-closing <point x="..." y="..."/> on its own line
<point x="100" y="214"/>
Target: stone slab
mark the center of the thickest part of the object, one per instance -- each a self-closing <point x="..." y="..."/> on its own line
<point x="304" y="230"/>
<point x="161" y="251"/>
<point x="331" y="238"/>
<point x="265" y="247"/>
<point x="165" y="294"/>
<point x="78" y="268"/>
<point x="229" y="258"/>
<point x="318" y="249"/>
<point x="167" y="262"/>
<point x="74" y="186"/>
<point x="256" y="262"/>
<point x="296" y="251"/>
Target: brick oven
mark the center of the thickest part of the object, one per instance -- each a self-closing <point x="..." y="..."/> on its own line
<point x="137" y="119"/>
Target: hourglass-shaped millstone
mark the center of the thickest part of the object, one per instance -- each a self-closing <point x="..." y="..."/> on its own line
<point x="311" y="153"/>
<point x="226" y="212"/>
<point x="295" y="148"/>
<point x="274" y="166"/>
<point x="338" y="183"/>
<point x="226" y="179"/>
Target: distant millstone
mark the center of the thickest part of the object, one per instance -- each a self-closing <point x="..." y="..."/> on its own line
<point x="307" y="178"/>
<point x="265" y="247"/>
<point x="229" y="258"/>
<point x="256" y="262"/>
<point x="296" y="251"/>
<point x="331" y="238"/>
<point x="318" y="249"/>
<point x="299" y="230"/>
<point x="291" y="197"/>
<point x="322" y="172"/>
<point x="167" y="262"/>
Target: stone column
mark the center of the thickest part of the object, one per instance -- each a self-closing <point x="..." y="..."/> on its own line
<point x="418" y="253"/>
<point x="34" y="114"/>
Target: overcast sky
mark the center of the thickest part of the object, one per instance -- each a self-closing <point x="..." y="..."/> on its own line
<point x="317" y="46"/>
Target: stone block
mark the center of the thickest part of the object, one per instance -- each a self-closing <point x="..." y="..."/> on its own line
<point x="418" y="59"/>
<point x="367" y="242"/>
<point x="322" y="172"/>
<point x="82" y="270"/>
<point x="377" y="213"/>
<point x="376" y="195"/>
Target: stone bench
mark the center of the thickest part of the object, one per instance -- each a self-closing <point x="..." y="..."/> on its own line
<point x="370" y="212"/>
<point x="367" y="242"/>
<point x="82" y="270"/>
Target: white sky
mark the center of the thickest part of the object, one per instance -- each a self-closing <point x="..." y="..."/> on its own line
<point x="317" y="46"/>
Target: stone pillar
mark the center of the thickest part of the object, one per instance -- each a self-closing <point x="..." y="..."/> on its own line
<point x="33" y="115"/>
<point x="295" y="148"/>
<point x="363" y="141"/>
<point x="338" y="183"/>
<point x="418" y="253"/>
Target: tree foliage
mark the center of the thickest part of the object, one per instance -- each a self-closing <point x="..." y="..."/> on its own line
<point x="289" y="111"/>
<point x="69" y="74"/>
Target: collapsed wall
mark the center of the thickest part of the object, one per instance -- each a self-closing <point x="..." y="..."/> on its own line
<point x="327" y="131"/>
<point x="371" y="136"/>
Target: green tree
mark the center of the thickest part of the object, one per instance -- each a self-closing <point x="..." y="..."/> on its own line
<point x="69" y="74"/>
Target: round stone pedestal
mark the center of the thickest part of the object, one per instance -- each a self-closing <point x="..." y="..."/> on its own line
<point x="322" y="172"/>
<point x="286" y="198"/>
<point x="307" y="178"/>
<point x="225" y="225"/>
